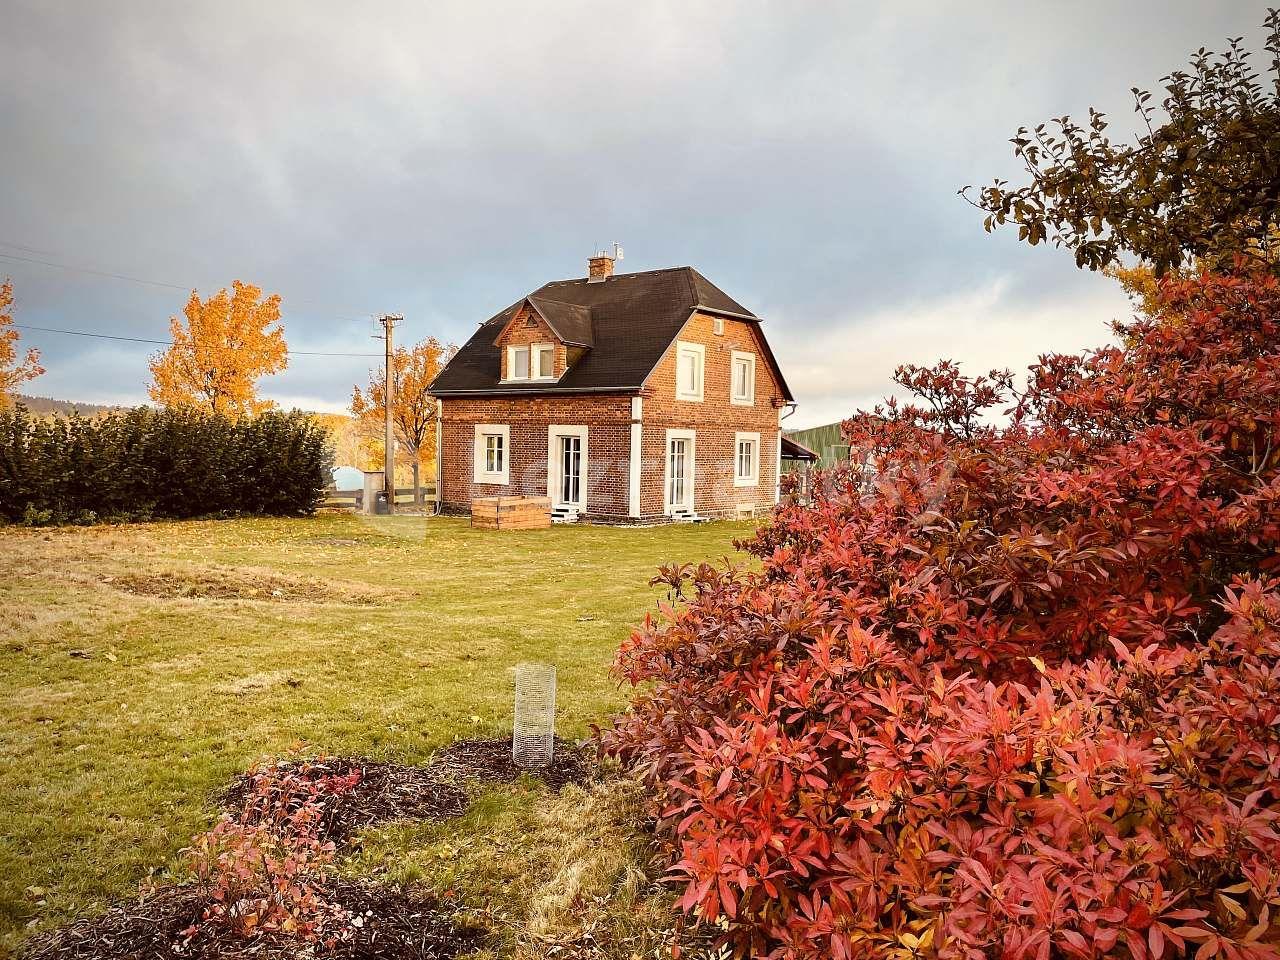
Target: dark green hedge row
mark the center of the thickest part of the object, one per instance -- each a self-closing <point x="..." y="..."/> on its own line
<point x="148" y="463"/>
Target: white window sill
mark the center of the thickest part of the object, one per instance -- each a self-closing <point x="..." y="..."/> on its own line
<point x="495" y="478"/>
<point x="687" y="398"/>
<point x="746" y="481"/>
<point x="743" y="401"/>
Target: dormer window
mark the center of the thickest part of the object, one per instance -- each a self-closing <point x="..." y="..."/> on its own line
<point x="535" y="361"/>
<point x="518" y="363"/>
<point x="544" y="361"/>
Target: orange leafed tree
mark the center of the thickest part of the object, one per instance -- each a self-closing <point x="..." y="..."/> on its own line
<point x="218" y="354"/>
<point x="413" y="410"/>
<point x="12" y="372"/>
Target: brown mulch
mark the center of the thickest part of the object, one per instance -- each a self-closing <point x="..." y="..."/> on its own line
<point x="489" y="761"/>
<point x="393" y="791"/>
<point x="393" y="925"/>
<point x="385" y="791"/>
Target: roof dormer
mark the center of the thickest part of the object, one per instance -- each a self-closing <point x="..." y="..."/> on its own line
<point x="569" y="323"/>
<point x="542" y="339"/>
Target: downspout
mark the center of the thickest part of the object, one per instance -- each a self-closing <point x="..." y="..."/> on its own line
<point x="439" y="457"/>
<point x="790" y="407"/>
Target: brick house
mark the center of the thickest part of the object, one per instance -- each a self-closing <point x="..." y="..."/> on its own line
<point x="631" y="398"/>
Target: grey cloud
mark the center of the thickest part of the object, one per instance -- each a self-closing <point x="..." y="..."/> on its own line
<point x="442" y="159"/>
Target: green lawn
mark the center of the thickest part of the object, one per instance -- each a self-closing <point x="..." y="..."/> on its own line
<point x="143" y="666"/>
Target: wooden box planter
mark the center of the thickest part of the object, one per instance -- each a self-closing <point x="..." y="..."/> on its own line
<point x="511" y="513"/>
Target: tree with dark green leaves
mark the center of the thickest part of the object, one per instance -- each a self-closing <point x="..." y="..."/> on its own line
<point x="146" y="463"/>
<point x="1201" y="184"/>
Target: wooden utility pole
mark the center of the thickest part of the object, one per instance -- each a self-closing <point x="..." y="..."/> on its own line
<point x="389" y="398"/>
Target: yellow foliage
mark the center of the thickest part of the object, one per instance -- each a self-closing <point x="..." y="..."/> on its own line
<point x="12" y="372"/>
<point x="217" y="356"/>
<point x="1140" y="284"/>
<point x="413" y="410"/>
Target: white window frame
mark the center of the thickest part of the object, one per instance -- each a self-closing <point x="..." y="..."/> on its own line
<point x="747" y="399"/>
<point x="511" y="360"/>
<point x="555" y="431"/>
<point x="699" y="352"/>
<point x="479" y="463"/>
<point x="536" y="350"/>
<point x="691" y="479"/>
<point x="753" y="479"/>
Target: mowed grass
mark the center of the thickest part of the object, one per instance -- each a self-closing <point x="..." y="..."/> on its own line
<point x="141" y="667"/>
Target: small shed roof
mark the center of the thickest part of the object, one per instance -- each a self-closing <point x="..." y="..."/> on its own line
<point x="796" y="451"/>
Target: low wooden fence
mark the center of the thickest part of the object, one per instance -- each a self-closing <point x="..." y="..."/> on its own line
<point x="354" y="499"/>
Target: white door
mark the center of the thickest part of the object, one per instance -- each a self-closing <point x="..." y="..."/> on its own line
<point x="568" y="491"/>
<point x="679" y="474"/>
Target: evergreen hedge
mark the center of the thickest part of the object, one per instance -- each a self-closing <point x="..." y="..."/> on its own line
<point x="146" y="463"/>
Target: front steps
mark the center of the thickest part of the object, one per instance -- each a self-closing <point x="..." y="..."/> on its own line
<point x="563" y="514"/>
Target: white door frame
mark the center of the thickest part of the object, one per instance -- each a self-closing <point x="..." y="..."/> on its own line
<point x="690" y="472"/>
<point x="554" y="432"/>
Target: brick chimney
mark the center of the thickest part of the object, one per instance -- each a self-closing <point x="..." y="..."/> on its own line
<point x="599" y="268"/>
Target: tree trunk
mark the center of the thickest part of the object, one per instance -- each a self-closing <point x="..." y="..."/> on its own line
<point x="417" y="490"/>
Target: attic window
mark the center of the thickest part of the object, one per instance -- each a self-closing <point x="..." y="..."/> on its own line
<point x="518" y="364"/>
<point x="545" y="361"/>
<point x="535" y="361"/>
<point x="717" y="326"/>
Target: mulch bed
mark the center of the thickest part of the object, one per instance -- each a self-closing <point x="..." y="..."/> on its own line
<point x="385" y="791"/>
<point x="489" y="761"/>
<point x="393" y="791"/>
<point x="394" y="925"/>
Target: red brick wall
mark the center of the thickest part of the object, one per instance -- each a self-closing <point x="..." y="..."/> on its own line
<point x="607" y="417"/>
<point x="714" y="420"/>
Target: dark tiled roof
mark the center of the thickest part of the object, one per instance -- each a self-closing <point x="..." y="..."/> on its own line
<point x="570" y="321"/>
<point x="628" y="320"/>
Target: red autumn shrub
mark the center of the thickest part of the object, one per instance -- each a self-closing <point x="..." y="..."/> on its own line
<point x="265" y="869"/>
<point x="1016" y="695"/>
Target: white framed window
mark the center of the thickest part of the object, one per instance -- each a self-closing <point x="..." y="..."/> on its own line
<point x="742" y="378"/>
<point x="493" y="453"/>
<point x="690" y="360"/>
<point x="544" y="361"/>
<point x="746" y="459"/>
<point x="518" y="363"/>
<point x="531" y="361"/>
<point x="492" y="462"/>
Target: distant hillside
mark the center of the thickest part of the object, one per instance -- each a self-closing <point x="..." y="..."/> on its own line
<point x="46" y="405"/>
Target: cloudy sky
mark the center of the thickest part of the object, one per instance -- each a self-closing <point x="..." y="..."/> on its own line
<point x="440" y="160"/>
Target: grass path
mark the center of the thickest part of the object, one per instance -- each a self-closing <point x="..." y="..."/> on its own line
<point x="142" y="666"/>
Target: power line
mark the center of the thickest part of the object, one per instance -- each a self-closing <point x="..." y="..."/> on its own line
<point x="96" y="273"/>
<point x="169" y="343"/>
<point x="72" y="268"/>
